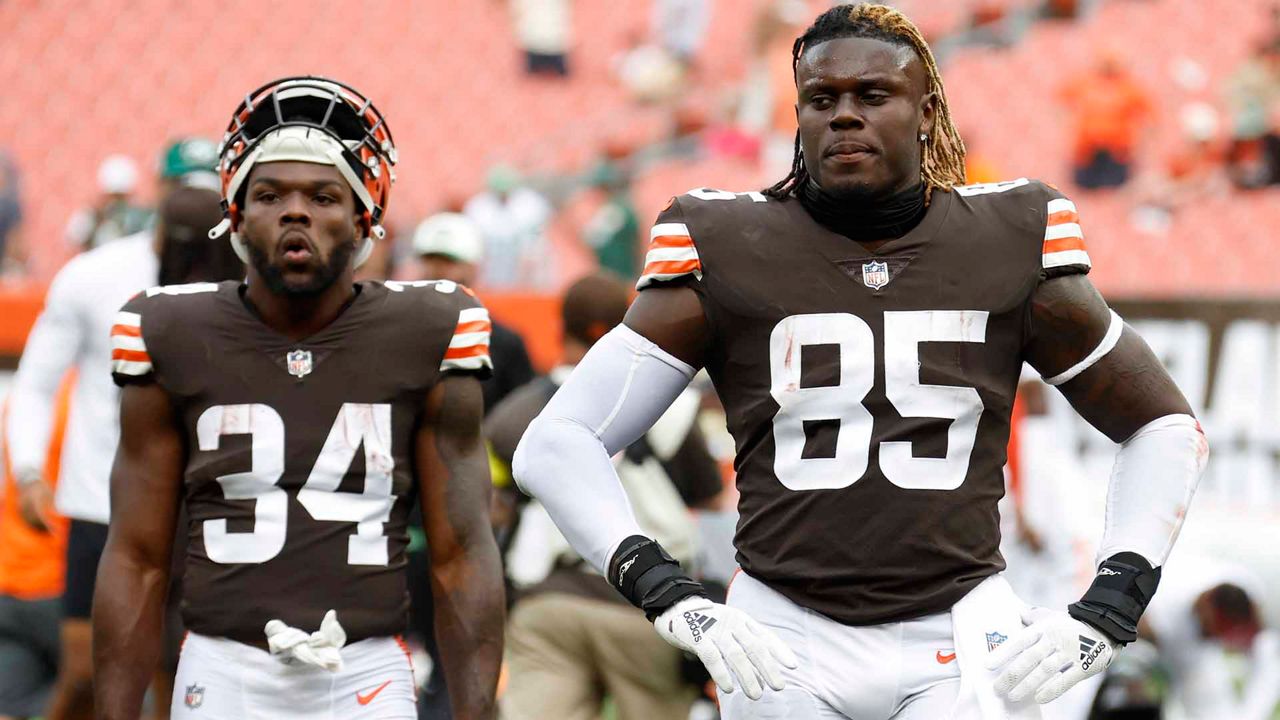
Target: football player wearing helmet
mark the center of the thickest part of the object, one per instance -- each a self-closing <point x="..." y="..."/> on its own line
<point x="297" y="415"/>
<point x="865" y="322"/>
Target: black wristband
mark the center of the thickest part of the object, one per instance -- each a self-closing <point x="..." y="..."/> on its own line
<point x="648" y="577"/>
<point x="1120" y="593"/>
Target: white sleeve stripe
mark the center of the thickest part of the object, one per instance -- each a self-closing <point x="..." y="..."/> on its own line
<point x="127" y="342"/>
<point x="130" y="367"/>
<point x="1114" y="330"/>
<point x="128" y="318"/>
<point x="1066" y="257"/>
<point x="646" y="280"/>
<point x="469" y="339"/>
<point x="1063" y="230"/>
<point x="474" y="314"/>
<point x="1058" y="205"/>
<point x="673" y="254"/>
<point x="467" y="363"/>
<point x="674" y="229"/>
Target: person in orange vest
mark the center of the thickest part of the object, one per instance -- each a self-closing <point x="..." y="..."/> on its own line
<point x="32" y="570"/>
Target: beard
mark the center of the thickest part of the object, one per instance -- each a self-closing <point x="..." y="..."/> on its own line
<point x="326" y="274"/>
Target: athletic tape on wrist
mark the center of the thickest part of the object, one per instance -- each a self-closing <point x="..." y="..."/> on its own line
<point x="1120" y="593"/>
<point x="648" y="577"/>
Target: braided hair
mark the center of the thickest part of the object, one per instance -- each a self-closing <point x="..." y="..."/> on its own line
<point x="942" y="157"/>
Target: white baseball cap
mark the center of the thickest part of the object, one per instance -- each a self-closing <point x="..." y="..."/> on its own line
<point x="450" y="234"/>
<point x="117" y="175"/>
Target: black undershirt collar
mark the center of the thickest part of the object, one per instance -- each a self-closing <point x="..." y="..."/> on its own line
<point x="865" y="221"/>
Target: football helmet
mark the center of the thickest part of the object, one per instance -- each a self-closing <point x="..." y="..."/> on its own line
<point x="308" y="119"/>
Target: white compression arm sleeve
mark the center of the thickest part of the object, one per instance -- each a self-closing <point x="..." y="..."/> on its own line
<point x="614" y="395"/>
<point x="1152" y="481"/>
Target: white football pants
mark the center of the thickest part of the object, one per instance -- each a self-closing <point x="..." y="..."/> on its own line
<point x="220" y="679"/>
<point x="894" y="671"/>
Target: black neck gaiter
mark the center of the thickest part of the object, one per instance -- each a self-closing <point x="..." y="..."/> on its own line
<point x="865" y="220"/>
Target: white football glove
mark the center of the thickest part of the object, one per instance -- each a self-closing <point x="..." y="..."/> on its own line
<point x="320" y="648"/>
<point x="725" y="638"/>
<point x="1049" y="656"/>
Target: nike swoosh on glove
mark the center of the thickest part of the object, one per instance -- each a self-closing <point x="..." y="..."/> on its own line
<point x="726" y="639"/>
<point x="320" y="648"/>
<point x="1049" y="656"/>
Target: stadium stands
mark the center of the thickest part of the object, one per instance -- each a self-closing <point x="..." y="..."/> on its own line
<point x="124" y="81"/>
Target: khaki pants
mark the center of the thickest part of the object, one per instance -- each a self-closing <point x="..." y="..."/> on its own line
<point x="566" y="653"/>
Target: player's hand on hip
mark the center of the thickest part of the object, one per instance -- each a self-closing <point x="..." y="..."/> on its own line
<point x="729" y="643"/>
<point x="1049" y="656"/>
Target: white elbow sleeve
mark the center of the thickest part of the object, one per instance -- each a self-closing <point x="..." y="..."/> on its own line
<point x="1155" y="474"/>
<point x="614" y="395"/>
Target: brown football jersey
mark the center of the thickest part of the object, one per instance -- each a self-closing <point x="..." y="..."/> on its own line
<point x="868" y="393"/>
<point x="300" y="469"/>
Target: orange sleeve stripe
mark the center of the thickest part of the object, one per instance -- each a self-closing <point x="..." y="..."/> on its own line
<point x="672" y="267"/>
<point x="466" y="352"/>
<point x="1063" y="244"/>
<point x="1070" y="243"/>
<point x="474" y="326"/>
<point x="130" y="356"/>
<point x="128" y="330"/>
<point x="1066" y="216"/>
<point x="671" y="241"/>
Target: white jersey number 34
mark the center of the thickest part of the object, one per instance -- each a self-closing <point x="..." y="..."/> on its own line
<point x="357" y="424"/>
<point x="903" y="333"/>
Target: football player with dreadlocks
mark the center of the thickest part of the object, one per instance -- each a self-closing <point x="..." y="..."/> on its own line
<point x="298" y="415"/>
<point x="865" y="322"/>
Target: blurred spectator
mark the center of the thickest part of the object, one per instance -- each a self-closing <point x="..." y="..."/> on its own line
<point x="1191" y="172"/>
<point x="680" y="27"/>
<point x="572" y="639"/>
<point x="513" y="221"/>
<point x="12" y="248"/>
<point x="31" y="582"/>
<point x="1204" y="620"/>
<point x="114" y="215"/>
<point x="542" y="29"/>
<point x="1253" y="96"/>
<point x="650" y="73"/>
<point x="1109" y="109"/>
<point x="613" y="229"/>
<point x="190" y="162"/>
<point x="448" y="246"/>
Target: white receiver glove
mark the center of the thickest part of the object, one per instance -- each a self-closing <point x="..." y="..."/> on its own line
<point x="320" y="648"/>
<point x="1049" y="656"/>
<point x="727" y="639"/>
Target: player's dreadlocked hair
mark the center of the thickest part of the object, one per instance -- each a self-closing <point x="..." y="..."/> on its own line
<point x="942" y="158"/>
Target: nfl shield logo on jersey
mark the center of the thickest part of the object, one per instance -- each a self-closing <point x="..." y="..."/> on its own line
<point x="995" y="640"/>
<point x="299" y="362"/>
<point x="194" y="697"/>
<point x="875" y="275"/>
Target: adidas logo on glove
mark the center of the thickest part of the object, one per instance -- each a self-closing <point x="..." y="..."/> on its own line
<point x="1089" y="651"/>
<point x="698" y="624"/>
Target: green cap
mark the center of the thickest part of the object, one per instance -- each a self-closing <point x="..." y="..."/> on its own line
<point x="193" y="157"/>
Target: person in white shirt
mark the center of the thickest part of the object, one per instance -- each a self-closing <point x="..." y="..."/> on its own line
<point x="513" y="219"/>
<point x="1223" y="661"/>
<point x="74" y="331"/>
